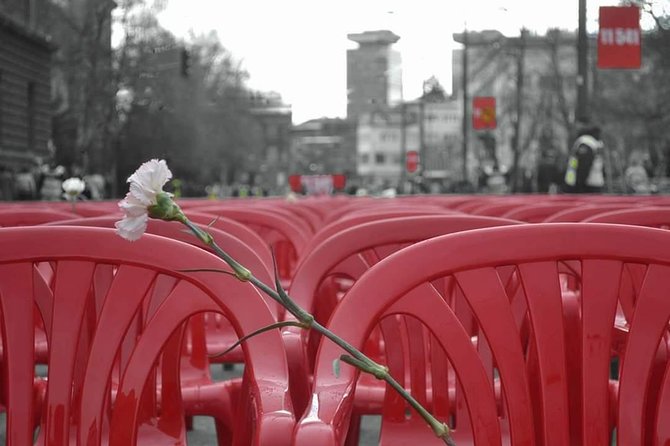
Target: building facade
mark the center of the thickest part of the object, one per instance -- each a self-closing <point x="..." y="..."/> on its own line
<point x="274" y="119"/>
<point x="374" y="74"/>
<point x="533" y="79"/>
<point x="441" y="139"/>
<point x="382" y="143"/>
<point x="25" y="89"/>
<point x="323" y="146"/>
<point x="430" y="128"/>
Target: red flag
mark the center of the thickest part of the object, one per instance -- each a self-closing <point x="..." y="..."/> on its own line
<point x="483" y="113"/>
<point x="619" y="39"/>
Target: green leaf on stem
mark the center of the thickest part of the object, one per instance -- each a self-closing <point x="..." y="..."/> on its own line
<point x="336" y="367"/>
<point x="207" y="270"/>
<point x="211" y="223"/>
<point x="280" y="290"/>
<point x="257" y="332"/>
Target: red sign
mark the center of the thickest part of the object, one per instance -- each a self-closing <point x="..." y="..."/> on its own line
<point x="412" y="161"/>
<point x="619" y="37"/>
<point x="483" y="113"/>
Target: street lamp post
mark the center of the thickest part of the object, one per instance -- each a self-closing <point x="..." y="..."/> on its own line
<point x="582" y="112"/>
<point x="403" y="148"/>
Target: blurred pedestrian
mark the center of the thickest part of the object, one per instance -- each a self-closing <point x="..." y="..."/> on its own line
<point x="548" y="171"/>
<point x="6" y="184"/>
<point x="95" y="186"/>
<point x="637" y="178"/>
<point x="25" y="185"/>
<point x="586" y="168"/>
<point x="51" y="186"/>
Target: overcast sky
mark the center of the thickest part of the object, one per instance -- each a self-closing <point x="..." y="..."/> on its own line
<point x="298" y="47"/>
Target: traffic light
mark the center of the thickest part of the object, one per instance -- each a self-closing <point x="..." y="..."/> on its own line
<point x="185" y="62"/>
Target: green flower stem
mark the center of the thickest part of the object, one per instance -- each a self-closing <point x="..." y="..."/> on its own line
<point x="241" y="272"/>
<point x="357" y="358"/>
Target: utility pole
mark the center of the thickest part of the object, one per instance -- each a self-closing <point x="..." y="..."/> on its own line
<point x="582" y="112"/>
<point x="422" y="137"/>
<point x="403" y="148"/>
<point x="519" y="110"/>
<point x="466" y="124"/>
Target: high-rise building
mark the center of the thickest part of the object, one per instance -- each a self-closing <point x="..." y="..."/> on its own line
<point x="374" y="74"/>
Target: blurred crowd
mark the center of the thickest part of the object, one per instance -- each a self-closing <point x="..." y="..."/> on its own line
<point x="44" y="182"/>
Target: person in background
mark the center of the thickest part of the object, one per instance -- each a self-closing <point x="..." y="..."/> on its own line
<point x="6" y="184"/>
<point x="548" y="171"/>
<point x="51" y="186"/>
<point x="637" y="178"/>
<point x="585" y="172"/>
<point x="25" y="187"/>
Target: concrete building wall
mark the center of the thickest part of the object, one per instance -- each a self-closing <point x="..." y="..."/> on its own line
<point x="25" y="108"/>
<point x="323" y="146"/>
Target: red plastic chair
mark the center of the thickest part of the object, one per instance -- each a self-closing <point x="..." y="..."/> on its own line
<point x="378" y="206"/>
<point x="98" y="208"/>
<point x="582" y="212"/>
<point x="242" y="232"/>
<point x="28" y="217"/>
<point x="349" y="254"/>
<point x="540" y="405"/>
<point x="229" y="242"/>
<point x="655" y="217"/>
<point x="279" y="232"/>
<point x="536" y="213"/>
<point x="76" y="404"/>
<point x="293" y="210"/>
<point x="497" y="208"/>
<point x="208" y="333"/>
<point x="355" y="219"/>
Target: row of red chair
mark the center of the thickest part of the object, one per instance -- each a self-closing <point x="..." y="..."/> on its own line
<point x="327" y="248"/>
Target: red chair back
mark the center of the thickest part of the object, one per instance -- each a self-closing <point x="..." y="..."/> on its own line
<point x="538" y="404"/>
<point x="77" y="400"/>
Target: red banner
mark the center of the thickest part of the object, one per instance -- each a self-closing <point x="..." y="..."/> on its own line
<point x="317" y="184"/>
<point x="619" y="39"/>
<point x="412" y="161"/>
<point x="483" y="113"/>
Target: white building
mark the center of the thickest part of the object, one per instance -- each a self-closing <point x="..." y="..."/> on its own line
<point x="430" y="128"/>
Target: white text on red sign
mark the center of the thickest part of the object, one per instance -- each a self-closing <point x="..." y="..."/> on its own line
<point x="620" y="36"/>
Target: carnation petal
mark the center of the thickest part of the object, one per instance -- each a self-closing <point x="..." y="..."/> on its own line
<point x="132" y="228"/>
<point x="132" y="207"/>
<point x="142" y="194"/>
<point x="152" y="175"/>
<point x="148" y="180"/>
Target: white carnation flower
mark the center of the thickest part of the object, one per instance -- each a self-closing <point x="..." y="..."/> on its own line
<point x="73" y="187"/>
<point x="145" y="185"/>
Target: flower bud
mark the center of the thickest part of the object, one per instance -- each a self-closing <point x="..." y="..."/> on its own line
<point x="165" y="208"/>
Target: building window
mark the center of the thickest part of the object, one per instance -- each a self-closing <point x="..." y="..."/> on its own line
<point x="30" y="128"/>
<point x="380" y="158"/>
<point x="365" y="158"/>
